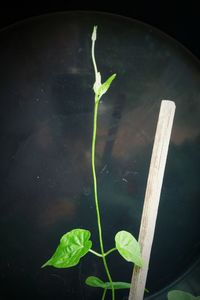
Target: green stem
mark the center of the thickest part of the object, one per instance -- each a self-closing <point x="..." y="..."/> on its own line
<point x="97" y="84"/>
<point x="100" y="255"/>
<point x="95" y="253"/>
<point x="110" y="251"/>
<point x="93" y="56"/>
<point x="96" y="196"/>
<point x="104" y="294"/>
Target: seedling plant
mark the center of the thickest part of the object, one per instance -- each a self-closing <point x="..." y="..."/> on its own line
<point x="77" y="243"/>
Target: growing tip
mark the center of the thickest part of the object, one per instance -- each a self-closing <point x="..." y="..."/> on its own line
<point x="44" y="265"/>
<point x="94" y="33"/>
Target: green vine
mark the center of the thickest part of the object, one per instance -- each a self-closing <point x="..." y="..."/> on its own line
<point x="97" y="86"/>
<point x="76" y="243"/>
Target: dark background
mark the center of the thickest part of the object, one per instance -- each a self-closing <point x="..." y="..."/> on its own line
<point x="179" y="19"/>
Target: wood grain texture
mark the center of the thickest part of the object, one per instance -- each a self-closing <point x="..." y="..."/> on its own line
<point x="152" y="195"/>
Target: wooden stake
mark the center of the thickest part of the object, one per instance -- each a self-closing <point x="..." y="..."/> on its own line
<point x="152" y="196"/>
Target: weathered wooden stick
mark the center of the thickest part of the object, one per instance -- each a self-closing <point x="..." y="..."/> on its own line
<point x="152" y="196"/>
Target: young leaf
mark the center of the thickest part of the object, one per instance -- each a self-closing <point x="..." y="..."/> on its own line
<point x="105" y="86"/>
<point x="128" y="247"/>
<point x="180" y="295"/>
<point x="94" y="33"/>
<point x="96" y="282"/>
<point x="73" y="245"/>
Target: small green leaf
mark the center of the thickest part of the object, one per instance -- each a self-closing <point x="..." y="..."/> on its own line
<point x="105" y="86"/>
<point x="180" y="295"/>
<point x="96" y="282"/>
<point x="128" y="247"/>
<point x="73" y="245"/>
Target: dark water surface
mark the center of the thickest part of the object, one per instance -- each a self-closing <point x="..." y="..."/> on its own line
<point x="46" y="115"/>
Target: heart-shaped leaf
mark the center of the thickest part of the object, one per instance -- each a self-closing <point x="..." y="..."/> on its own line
<point x="96" y="282"/>
<point x="180" y="295"/>
<point x="105" y="86"/>
<point x="73" y="245"/>
<point x="128" y="247"/>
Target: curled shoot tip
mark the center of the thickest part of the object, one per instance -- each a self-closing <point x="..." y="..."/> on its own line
<point x="94" y="33"/>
